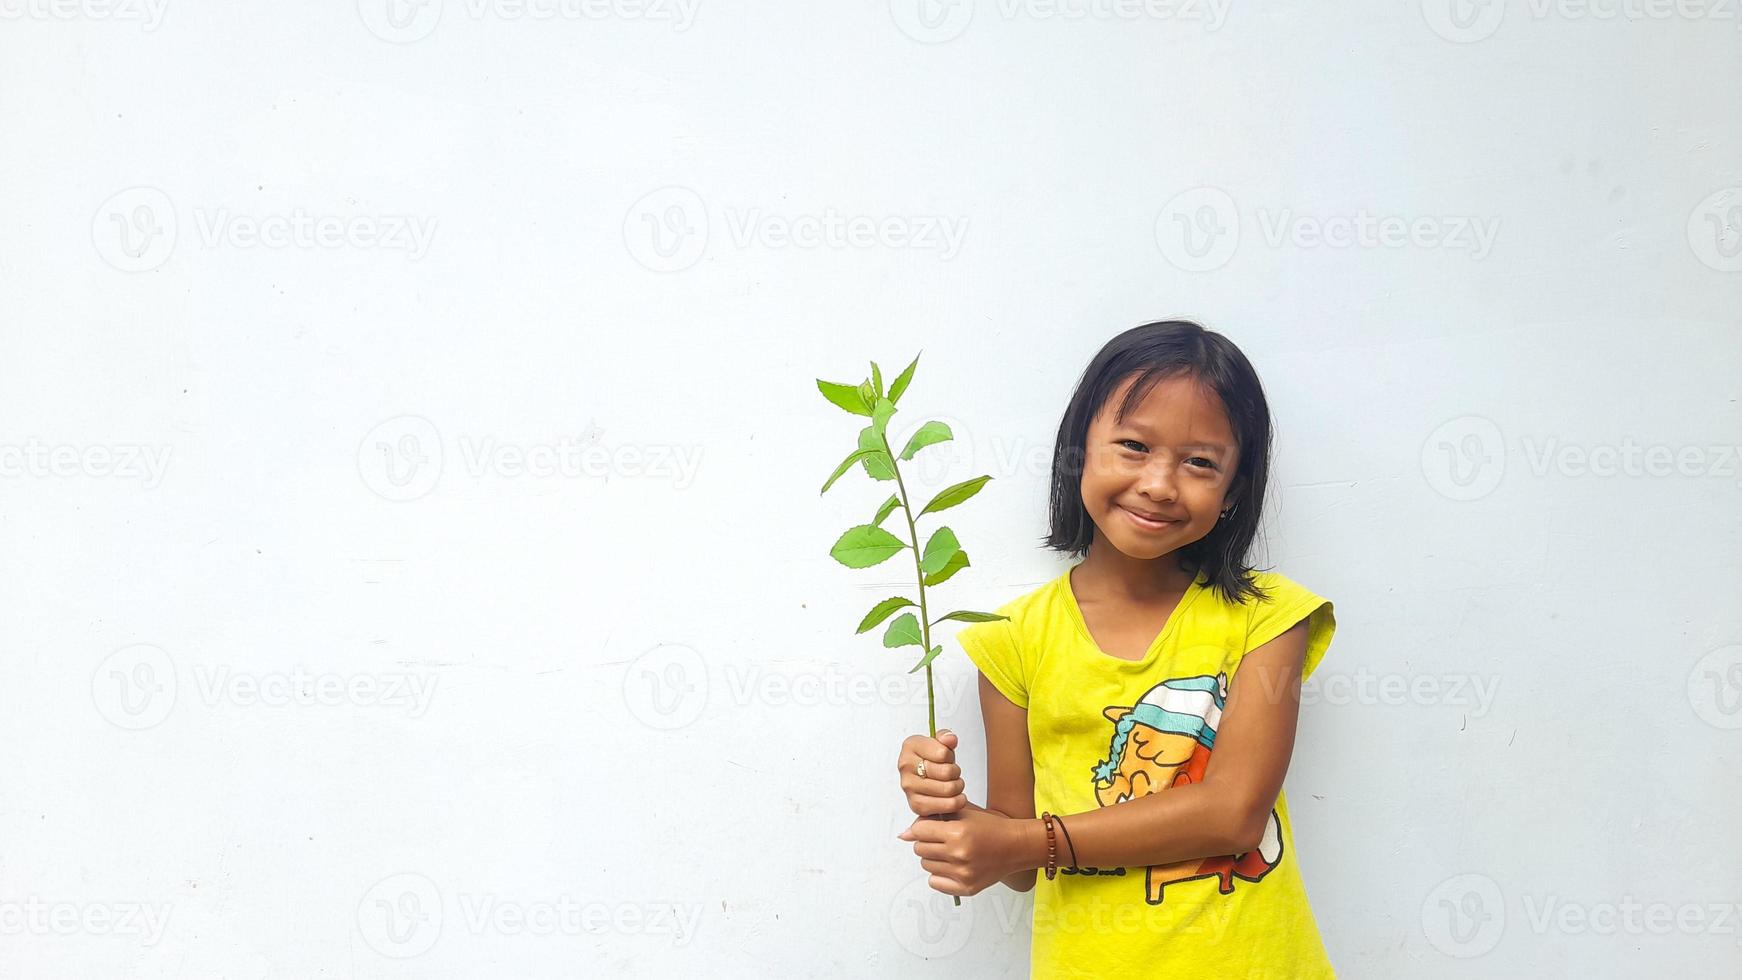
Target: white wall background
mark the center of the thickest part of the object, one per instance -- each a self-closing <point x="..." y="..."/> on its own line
<point x="613" y="720"/>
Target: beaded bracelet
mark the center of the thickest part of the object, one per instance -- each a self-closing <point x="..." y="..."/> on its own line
<point x="1051" y="846"/>
<point x="1068" y="842"/>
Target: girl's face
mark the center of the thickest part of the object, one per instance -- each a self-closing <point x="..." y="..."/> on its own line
<point x="1173" y="459"/>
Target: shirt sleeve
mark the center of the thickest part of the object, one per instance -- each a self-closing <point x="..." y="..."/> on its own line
<point x="1289" y="603"/>
<point x="994" y="649"/>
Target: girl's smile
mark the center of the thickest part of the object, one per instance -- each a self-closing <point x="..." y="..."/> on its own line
<point x="1146" y="523"/>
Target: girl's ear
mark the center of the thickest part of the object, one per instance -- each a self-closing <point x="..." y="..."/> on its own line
<point x="1236" y="490"/>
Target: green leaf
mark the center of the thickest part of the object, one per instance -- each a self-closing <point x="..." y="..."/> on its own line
<point x="881" y="611"/>
<point x="957" y="562"/>
<point x="888" y="508"/>
<point x="967" y="617"/>
<point x="849" y="461"/>
<point x="904" y="632"/>
<point x="879" y="467"/>
<point x="866" y="393"/>
<point x="929" y="433"/>
<point x="930" y="655"/>
<point x="902" y="380"/>
<point x="951" y="496"/>
<point x="846" y="396"/>
<point x="880" y="414"/>
<point x="876" y="380"/>
<point x="864" y="546"/>
<point x="938" y="549"/>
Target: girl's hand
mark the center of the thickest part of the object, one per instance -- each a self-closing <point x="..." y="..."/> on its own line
<point x="942" y="791"/>
<point x="968" y="855"/>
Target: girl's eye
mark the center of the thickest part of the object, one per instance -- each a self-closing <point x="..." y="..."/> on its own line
<point x="1201" y="462"/>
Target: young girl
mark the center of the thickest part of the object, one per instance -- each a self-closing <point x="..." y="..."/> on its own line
<point x="1144" y="702"/>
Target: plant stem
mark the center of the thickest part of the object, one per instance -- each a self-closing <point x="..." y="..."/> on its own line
<point x="931" y="706"/>
<point x="919" y="573"/>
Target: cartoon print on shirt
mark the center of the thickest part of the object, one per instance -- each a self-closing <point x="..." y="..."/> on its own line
<point x="1165" y="740"/>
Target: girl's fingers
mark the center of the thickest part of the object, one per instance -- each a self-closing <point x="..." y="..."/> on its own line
<point x="942" y="772"/>
<point x="931" y="850"/>
<point x="942" y="790"/>
<point x="940" y="868"/>
<point x="922" y="830"/>
<point x="934" y="784"/>
<point x="931" y="806"/>
<point x="947" y="885"/>
<point x="930" y="749"/>
<point x="945" y="768"/>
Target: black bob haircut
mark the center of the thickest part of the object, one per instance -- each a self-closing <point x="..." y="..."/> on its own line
<point x="1156" y="351"/>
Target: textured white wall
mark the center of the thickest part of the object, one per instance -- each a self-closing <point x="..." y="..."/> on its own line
<point x="410" y="555"/>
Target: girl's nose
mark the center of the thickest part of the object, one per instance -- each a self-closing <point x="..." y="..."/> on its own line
<point x="1157" y="482"/>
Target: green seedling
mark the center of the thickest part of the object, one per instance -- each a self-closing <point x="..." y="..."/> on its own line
<point x="865" y="545"/>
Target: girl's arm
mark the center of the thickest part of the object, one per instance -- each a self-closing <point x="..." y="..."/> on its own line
<point x="1009" y="766"/>
<point x="1225" y="814"/>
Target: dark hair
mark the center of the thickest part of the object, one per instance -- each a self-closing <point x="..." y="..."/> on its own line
<point x="1156" y="351"/>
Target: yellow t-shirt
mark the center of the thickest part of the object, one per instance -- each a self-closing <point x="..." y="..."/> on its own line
<point x="1238" y="917"/>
